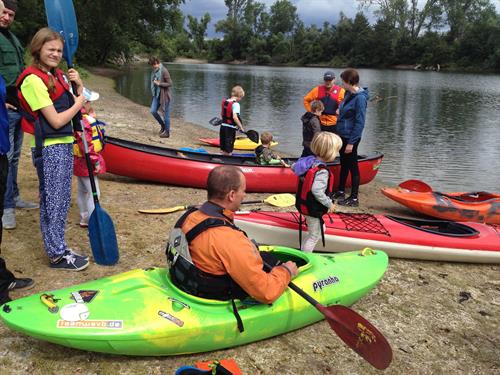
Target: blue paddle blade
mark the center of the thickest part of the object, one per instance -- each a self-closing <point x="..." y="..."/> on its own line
<point x="102" y="237"/>
<point x="61" y="17"/>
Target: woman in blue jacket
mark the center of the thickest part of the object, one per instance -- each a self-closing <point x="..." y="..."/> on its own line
<point x="350" y="124"/>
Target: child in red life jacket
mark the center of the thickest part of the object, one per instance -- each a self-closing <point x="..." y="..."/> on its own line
<point x="94" y="136"/>
<point x="264" y="154"/>
<point x="231" y="120"/>
<point x="315" y="185"/>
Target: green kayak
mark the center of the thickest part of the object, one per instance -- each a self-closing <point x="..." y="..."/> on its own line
<point x="141" y="312"/>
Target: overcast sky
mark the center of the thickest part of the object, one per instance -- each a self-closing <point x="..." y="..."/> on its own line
<point x="309" y="11"/>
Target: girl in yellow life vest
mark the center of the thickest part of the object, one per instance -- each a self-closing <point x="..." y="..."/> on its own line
<point x="94" y="136"/>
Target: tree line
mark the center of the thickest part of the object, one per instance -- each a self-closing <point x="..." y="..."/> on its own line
<point x="454" y="34"/>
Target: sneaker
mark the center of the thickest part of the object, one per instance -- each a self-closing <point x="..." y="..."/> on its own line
<point x="9" y="218"/>
<point x="71" y="262"/>
<point x="165" y="134"/>
<point x="20" y="283"/>
<point x="25" y="205"/>
<point x="338" y="195"/>
<point x="78" y="255"/>
<point x="349" y="202"/>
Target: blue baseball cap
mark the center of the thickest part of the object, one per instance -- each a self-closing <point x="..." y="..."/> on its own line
<point x="329" y="76"/>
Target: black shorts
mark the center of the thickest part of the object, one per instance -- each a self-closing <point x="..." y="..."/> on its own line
<point x="227" y="136"/>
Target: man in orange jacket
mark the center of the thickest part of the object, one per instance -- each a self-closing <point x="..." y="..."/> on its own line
<point x="224" y="250"/>
<point x="331" y="95"/>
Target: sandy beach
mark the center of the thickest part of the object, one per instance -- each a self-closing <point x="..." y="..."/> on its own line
<point x="417" y="305"/>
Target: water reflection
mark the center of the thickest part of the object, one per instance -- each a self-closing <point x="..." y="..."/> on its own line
<point x="442" y="128"/>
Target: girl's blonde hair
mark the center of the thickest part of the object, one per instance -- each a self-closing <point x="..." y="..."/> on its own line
<point x="326" y="145"/>
<point x="43" y="36"/>
<point x="238" y="92"/>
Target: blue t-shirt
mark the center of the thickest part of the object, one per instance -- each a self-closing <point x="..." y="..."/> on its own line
<point x="4" y="120"/>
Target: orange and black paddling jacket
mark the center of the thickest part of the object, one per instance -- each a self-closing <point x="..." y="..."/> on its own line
<point x="331" y="98"/>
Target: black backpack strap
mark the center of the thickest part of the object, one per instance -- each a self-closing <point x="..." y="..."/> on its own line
<point x="184" y="216"/>
<point x="204" y="225"/>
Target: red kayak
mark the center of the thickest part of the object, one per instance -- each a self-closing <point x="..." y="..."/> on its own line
<point x="184" y="168"/>
<point x="398" y="237"/>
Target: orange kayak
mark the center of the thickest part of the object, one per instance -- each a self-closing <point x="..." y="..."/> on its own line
<point x="480" y="207"/>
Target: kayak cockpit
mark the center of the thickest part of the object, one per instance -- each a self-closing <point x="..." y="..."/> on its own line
<point x="440" y="227"/>
<point x="476" y="197"/>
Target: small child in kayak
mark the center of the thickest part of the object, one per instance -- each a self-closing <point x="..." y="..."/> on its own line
<point x="231" y="120"/>
<point x="311" y="125"/>
<point x="94" y="135"/>
<point x="263" y="153"/>
<point x="315" y="186"/>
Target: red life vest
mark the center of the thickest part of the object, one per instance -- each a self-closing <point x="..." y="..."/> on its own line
<point x="61" y="98"/>
<point x="305" y="202"/>
<point x="227" y="112"/>
<point x="330" y="98"/>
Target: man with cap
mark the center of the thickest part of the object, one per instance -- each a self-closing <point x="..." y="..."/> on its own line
<point x="11" y="65"/>
<point x="331" y="95"/>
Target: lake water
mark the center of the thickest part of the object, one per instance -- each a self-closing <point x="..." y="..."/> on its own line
<point x="442" y="128"/>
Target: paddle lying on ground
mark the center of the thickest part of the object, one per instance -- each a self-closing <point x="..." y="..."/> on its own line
<point x="416" y="185"/>
<point x="61" y="18"/>
<point x="277" y="200"/>
<point x="357" y="332"/>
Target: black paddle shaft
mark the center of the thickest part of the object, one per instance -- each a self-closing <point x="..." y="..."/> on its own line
<point x="90" y="168"/>
<point x="78" y="120"/>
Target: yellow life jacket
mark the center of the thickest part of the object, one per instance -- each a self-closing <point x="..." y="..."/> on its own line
<point x="97" y="135"/>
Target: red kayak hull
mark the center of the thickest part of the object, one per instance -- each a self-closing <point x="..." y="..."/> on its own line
<point x="399" y="237"/>
<point x="191" y="169"/>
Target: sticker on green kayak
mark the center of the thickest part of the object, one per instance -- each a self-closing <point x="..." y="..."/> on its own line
<point x="84" y="295"/>
<point x="172" y="318"/>
<point x="320" y="284"/>
<point x="75" y="312"/>
<point x="104" y="324"/>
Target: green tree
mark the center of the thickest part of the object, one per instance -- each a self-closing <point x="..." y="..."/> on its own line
<point x="461" y="13"/>
<point x="109" y="28"/>
<point x="198" y="31"/>
<point x="284" y="17"/>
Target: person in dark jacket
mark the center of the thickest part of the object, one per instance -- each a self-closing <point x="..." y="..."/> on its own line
<point x="8" y="281"/>
<point x="311" y="124"/>
<point x="350" y="124"/>
<point x="11" y="65"/>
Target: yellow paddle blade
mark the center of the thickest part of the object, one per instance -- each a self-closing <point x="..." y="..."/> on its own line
<point x="281" y="200"/>
<point x="165" y="210"/>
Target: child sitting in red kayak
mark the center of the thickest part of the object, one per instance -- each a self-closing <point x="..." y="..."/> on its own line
<point x="315" y="186"/>
<point x="264" y="154"/>
<point x="94" y="135"/>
